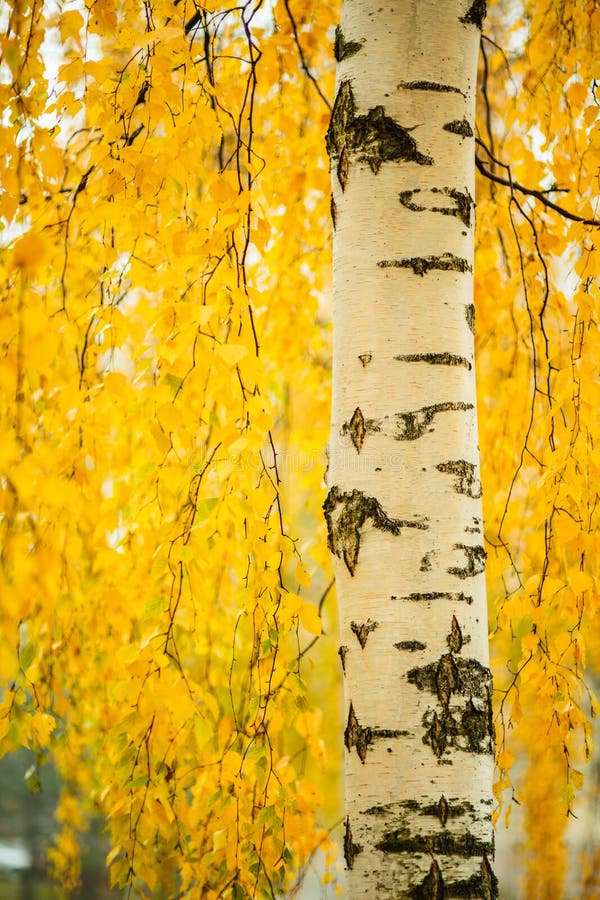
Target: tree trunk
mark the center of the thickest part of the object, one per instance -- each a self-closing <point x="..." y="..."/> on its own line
<point x="404" y="506"/>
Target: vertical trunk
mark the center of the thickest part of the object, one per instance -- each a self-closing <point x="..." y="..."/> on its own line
<point x="404" y="509"/>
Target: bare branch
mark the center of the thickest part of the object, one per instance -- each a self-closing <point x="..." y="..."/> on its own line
<point x="530" y="192"/>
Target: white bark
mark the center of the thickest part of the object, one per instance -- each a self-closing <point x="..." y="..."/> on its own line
<point x="404" y="508"/>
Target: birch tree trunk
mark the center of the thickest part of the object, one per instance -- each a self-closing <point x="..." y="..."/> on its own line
<point x="404" y="505"/>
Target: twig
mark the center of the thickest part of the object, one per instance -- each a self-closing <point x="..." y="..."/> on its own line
<point x="530" y="192"/>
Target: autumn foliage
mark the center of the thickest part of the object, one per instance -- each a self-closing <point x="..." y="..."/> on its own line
<point x="164" y="358"/>
<point x="166" y="221"/>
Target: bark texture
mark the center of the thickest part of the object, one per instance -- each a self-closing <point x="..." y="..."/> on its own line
<point x="404" y="503"/>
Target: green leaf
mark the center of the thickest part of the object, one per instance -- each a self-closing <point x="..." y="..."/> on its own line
<point x="27" y="655"/>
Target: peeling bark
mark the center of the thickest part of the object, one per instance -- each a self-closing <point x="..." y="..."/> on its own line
<point x="422" y="264"/>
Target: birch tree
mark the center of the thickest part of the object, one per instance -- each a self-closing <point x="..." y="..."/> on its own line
<point x="404" y="504"/>
<point x="164" y="403"/>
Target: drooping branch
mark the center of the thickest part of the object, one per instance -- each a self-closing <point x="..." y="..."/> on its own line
<point x="530" y="192"/>
<point x="303" y="61"/>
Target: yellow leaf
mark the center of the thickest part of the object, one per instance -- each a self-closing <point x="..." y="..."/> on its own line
<point x="577" y="779"/>
<point x="231" y="353"/>
<point x="309" y="618"/>
<point x="302" y="576"/>
<point x="529" y="642"/>
<point x="29" y="252"/>
<point x="505" y="759"/>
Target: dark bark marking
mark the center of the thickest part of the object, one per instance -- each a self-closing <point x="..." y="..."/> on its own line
<point x="430" y="809"/>
<point x="342" y="48"/>
<point x="341" y="118"/>
<point x="432" y="886"/>
<point x="467" y="727"/>
<point x="357" y="736"/>
<point x="346" y="514"/>
<point x="482" y="884"/>
<point x="459" y="126"/>
<point x="389" y="733"/>
<point x="426" y="564"/>
<point x="375" y="138"/>
<point x="475" y="14"/>
<point x="430" y="86"/>
<point x="475" y="563"/>
<point x="475" y="528"/>
<point x="455" y="638"/>
<point x="365" y="358"/>
<point x="333" y="211"/>
<point x="436" y="359"/>
<point x="469" y="676"/>
<point x="437" y="595"/>
<point x="357" y="430"/>
<point x="410" y="646"/>
<point x="475" y="726"/>
<point x="342" y="650"/>
<point x="342" y="169"/>
<point x="443" y="811"/>
<point x="466" y="481"/>
<point x="470" y="316"/>
<point x="420" y="265"/>
<point x="363" y="631"/>
<point x="412" y="425"/>
<point x="351" y="850"/>
<point x="442" y="843"/>
<point x="463" y="200"/>
<point x="437" y="734"/>
<point x="489" y="879"/>
<point x="447" y="680"/>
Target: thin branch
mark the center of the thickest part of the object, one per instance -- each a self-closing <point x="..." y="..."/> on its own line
<point x="530" y="192"/>
<point x="303" y="62"/>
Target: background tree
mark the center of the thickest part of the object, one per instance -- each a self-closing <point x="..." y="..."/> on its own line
<point x="164" y="398"/>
